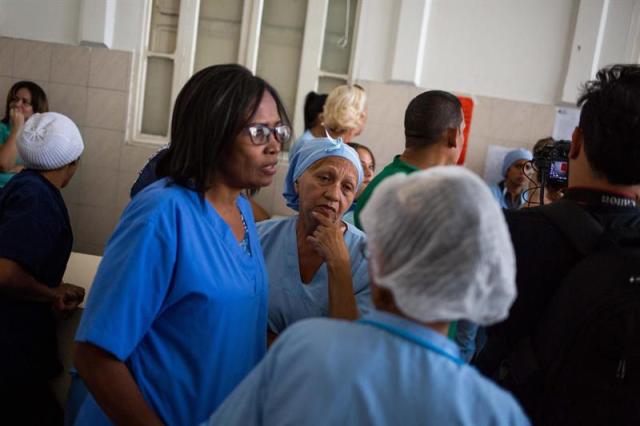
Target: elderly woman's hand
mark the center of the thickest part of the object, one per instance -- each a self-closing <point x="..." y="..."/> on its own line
<point x="328" y="240"/>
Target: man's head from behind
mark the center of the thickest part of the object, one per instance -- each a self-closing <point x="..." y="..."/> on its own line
<point x="610" y="124"/>
<point x="440" y="245"/>
<point x="51" y="142"/>
<point x="434" y="117"/>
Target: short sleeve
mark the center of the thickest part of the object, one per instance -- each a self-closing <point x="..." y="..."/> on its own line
<point x="131" y="283"/>
<point x="28" y="232"/>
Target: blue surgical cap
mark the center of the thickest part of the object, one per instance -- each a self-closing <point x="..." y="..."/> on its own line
<point x="512" y="157"/>
<point x="309" y="153"/>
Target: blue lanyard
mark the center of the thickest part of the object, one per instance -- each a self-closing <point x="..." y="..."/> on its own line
<point x="413" y="339"/>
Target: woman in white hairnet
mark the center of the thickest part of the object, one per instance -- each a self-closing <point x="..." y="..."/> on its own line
<point x="439" y="252"/>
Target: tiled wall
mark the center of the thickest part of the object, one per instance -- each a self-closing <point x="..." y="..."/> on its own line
<point x="91" y="86"/>
<point x="494" y="122"/>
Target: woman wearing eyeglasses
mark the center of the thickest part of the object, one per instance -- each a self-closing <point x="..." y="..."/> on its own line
<point x="315" y="261"/>
<point x="24" y="99"/>
<point x="178" y="309"/>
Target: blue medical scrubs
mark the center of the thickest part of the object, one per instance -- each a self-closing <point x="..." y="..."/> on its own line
<point x="382" y="370"/>
<point x="35" y="232"/>
<point x="179" y="302"/>
<point x="290" y="299"/>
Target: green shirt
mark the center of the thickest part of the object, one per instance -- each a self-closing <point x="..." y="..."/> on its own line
<point x="396" y="166"/>
<point x="5" y="130"/>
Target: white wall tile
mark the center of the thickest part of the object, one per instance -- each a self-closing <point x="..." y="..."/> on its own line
<point x="110" y="69"/>
<point x="106" y="109"/>
<point x="95" y="225"/>
<point x="68" y="100"/>
<point x="102" y="147"/>
<point x="32" y="60"/>
<point x="7" y="47"/>
<point x="134" y="157"/>
<point x="70" y="65"/>
<point x="98" y="187"/>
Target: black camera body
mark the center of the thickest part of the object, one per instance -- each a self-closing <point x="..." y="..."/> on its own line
<point x="552" y="162"/>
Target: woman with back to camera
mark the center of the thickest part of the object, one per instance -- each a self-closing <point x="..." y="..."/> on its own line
<point x="344" y="115"/>
<point x="24" y="99"/>
<point x="178" y="309"/>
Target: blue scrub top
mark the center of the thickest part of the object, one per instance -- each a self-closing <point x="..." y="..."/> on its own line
<point x="504" y="199"/>
<point x="330" y="372"/>
<point x="178" y="300"/>
<point x="35" y="232"/>
<point x="290" y="299"/>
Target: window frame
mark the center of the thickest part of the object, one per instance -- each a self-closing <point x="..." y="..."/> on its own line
<point x="184" y="58"/>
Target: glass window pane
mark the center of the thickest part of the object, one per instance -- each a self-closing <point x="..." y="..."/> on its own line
<point x="219" y="26"/>
<point x="327" y="84"/>
<point x="336" y="51"/>
<point x="281" y="46"/>
<point x="164" y="26"/>
<point x="157" y="96"/>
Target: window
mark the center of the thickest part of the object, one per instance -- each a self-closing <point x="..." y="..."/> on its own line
<point x="296" y="45"/>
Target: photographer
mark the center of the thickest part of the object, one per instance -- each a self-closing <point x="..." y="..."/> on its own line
<point x="549" y="162"/>
<point x="604" y="181"/>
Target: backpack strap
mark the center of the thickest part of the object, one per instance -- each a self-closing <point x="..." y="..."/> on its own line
<point x="582" y="229"/>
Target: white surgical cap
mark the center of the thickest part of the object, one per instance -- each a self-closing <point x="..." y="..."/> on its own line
<point x="440" y="244"/>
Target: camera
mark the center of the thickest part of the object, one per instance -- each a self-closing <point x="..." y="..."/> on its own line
<point x="552" y="163"/>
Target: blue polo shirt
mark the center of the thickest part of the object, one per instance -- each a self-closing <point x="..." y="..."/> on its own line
<point x="35" y="232"/>
<point x="382" y="370"/>
<point x="179" y="302"/>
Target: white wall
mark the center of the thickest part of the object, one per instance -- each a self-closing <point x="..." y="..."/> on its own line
<point x="44" y="20"/>
<point x="513" y="49"/>
<point x="57" y="21"/>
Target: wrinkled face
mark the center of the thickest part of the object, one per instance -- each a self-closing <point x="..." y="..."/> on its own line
<point x="328" y="187"/>
<point x="249" y="165"/>
<point x="368" y="168"/>
<point x="22" y="102"/>
<point x="518" y="172"/>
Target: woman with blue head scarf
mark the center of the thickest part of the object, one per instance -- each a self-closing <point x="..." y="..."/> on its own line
<point x="314" y="259"/>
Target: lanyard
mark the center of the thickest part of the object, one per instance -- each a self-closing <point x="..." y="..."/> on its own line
<point x="413" y="339"/>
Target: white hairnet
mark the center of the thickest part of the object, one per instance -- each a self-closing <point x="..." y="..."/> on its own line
<point x="440" y="244"/>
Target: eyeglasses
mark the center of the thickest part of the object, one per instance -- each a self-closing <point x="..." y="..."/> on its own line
<point x="259" y="133"/>
<point x="25" y="101"/>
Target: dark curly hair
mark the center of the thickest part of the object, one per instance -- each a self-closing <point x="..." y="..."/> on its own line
<point x="610" y="123"/>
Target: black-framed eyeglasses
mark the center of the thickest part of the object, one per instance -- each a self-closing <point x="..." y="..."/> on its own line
<point x="259" y="133"/>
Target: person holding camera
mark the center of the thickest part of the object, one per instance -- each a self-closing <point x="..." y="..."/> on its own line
<point x="556" y="244"/>
<point x="550" y="189"/>
<point x="516" y="171"/>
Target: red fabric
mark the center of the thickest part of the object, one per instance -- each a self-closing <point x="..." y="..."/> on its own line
<point x="467" y="109"/>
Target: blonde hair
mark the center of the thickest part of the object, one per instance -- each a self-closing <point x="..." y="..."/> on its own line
<point x="344" y="108"/>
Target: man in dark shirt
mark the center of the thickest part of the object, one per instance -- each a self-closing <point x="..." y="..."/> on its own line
<point x="35" y="245"/>
<point x="604" y="179"/>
